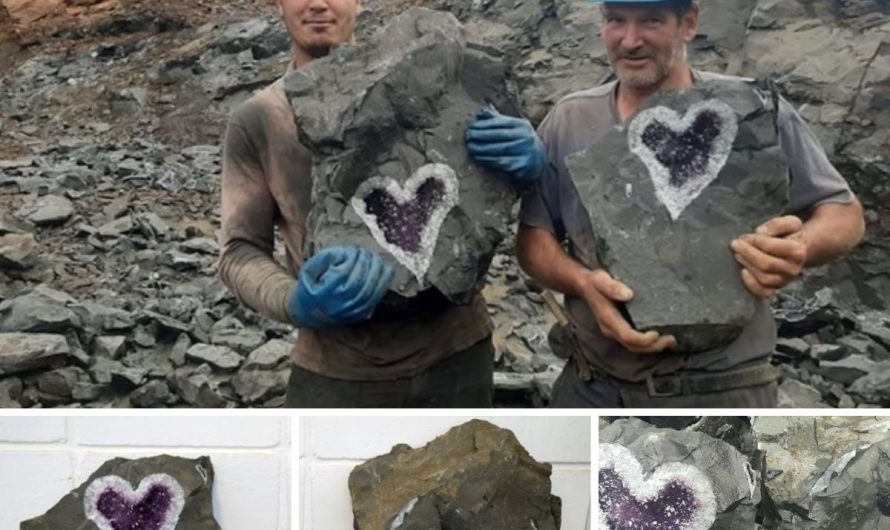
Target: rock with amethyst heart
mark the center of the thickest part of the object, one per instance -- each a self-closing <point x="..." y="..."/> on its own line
<point x="667" y="194"/>
<point x="475" y="476"/>
<point x="675" y="496"/>
<point x="385" y="122"/>
<point x="157" y="493"/>
<point x="652" y="478"/>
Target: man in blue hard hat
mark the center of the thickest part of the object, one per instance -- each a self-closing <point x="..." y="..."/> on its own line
<point x="613" y="365"/>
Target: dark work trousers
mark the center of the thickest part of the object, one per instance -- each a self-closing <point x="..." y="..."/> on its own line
<point x="570" y="391"/>
<point x="462" y="380"/>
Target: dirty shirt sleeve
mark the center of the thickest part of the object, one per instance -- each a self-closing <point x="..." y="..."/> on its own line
<point x="540" y="207"/>
<point x="246" y="263"/>
<point x="814" y="180"/>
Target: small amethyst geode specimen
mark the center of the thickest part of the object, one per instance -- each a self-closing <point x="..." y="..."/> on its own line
<point x="156" y="493"/>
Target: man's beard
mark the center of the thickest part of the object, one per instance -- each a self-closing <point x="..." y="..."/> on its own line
<point x="647" y="80"/>
<point x="317" y="50"/>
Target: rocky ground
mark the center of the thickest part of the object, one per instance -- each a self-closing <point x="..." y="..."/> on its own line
<point x="770" y="472"/>
<point x="111" y="115"/>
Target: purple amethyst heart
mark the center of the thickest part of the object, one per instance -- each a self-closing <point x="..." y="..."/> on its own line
<point x="674" y="497"/>
<point x="112" y="504"/>
<point x="403" y="224"/>
<point x="683" y="154"/>
<point x="686" y="153"/>
<point x="405" y="219"/>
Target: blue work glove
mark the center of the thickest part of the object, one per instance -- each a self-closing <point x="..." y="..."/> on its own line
<point x="339" y="286"/>
<point x="507" y="144"/>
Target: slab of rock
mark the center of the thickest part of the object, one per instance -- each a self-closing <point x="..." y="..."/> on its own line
<point x="60" y="382"/>
<point x="259" y="386"/>
<point x="21" y="352"/>
<point x="794" y="394"/>
<point x="154" y="394"/>
<point x="853" y="493"/>
<point x="219" y="356"/>
<point x="269" y="355"/>
<point x="877" y="326"/>
<point x="41" y="310"/>
<point x="196" y="388"/>
<point x="873" y="388"/>
<point x="10" y="392"/>
<point x="850" y="368"/>
<point x="386" y="123"/>
<point x="18" y="251"/>
<point x="733" y="492"/>
<point x="475" y="476"/>
<point x="667" y="195"/>
<point x="156" y="493"/>
<point x="48" y="210"/>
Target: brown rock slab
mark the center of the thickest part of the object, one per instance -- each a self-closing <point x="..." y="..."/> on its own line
<point x="475" y="476"/>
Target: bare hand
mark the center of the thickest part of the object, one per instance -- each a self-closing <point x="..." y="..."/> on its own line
<point x="601" y="291"/>
<point x="772" y="257"/>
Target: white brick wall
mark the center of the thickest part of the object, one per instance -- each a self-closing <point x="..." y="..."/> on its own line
<point x="42" y="459"/>
<point x="331" y="447"/>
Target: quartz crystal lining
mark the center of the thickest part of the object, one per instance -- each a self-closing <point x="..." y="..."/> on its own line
<point x="156" y="504"/>
<point x="674" y="497"/>
<point x="406" y="220"/>
<point x="683" y="154"/>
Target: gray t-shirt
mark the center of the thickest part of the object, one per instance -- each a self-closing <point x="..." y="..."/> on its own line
<point x="583" y="118"/>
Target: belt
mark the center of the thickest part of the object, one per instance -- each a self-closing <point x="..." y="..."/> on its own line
<point x="706" y="383"/>
<point x="762" y="373"/>
<point x="689" y="383"/>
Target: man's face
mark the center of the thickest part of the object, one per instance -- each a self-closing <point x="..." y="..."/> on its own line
<point x="646" y="43"/>
<point x="317" y="25"/>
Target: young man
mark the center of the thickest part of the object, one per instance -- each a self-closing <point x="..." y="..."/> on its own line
<point x="615" y="365"/>
<point x="345" y="355"/>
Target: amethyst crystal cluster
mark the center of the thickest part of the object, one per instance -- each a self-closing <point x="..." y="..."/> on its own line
<point x="674" y="497"/>
<point x="405" y="220"/>
<point x="112" y="504"/>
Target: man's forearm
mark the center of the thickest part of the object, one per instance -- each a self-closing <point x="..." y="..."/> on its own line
<point x="832" y="231"/>
<point x="543" y="258"/>
<point x="256" y="279"/>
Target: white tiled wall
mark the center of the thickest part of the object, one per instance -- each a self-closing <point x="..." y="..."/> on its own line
<point x="331" y="447"/>
<point x="42" y="459"/>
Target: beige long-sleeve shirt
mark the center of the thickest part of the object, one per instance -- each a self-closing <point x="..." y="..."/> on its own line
<point x="266" y="182"/>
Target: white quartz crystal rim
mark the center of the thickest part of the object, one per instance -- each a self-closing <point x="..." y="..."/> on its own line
<point x="625" y="464"/>
<point x="676" y="200"/>
<point x="124" y="489"/>
<point x="416" y="262"/>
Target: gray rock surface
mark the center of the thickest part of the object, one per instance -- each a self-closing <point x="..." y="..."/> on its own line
<point x="390" y="161"/>
<point x="798" y="452"/>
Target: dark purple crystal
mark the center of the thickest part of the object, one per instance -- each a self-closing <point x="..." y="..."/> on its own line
<point x="686" y="154"/>
<point x="403" y="224"/>
<point x="149" y="513"/>
<point x="674" y="506"/>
